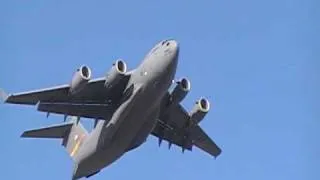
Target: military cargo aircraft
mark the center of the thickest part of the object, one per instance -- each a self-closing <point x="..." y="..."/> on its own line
<point x="126" y="106"/>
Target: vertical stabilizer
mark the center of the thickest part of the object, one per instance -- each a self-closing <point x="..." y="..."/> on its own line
<point x="75" y="138"/>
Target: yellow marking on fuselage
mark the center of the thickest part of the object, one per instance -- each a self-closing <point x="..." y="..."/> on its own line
<point x="76" y="147"/>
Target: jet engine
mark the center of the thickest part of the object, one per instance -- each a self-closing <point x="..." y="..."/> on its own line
<point x="180" y="91"/>
<point x="80" y="79"/>
<point x="117" y="72"/>
<point x="200" y="109"/>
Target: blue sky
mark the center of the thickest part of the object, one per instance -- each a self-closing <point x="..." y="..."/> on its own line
<point x="257" y="62"/>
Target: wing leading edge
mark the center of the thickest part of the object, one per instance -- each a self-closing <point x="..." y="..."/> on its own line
<point x="58" y="94"/>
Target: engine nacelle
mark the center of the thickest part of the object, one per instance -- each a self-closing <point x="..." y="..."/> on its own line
<point x="199" y="111"/>
<point x="117" y="72"/>
<point x="80" y="79"/>
<point x="180" y="91"/>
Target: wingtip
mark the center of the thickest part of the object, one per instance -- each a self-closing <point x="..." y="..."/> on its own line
<point x="3" y="96"/>
<point x="218" y="154"/>
<point x="23" y="135"/>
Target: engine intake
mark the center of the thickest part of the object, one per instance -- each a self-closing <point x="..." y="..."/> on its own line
<point x="199" y="111"/>
<point x="80" y="79"/>
<point x="180" y="91"/>
<point x="117" y="72"/>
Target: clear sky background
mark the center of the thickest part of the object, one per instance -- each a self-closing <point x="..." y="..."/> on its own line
<point x="257" y="62"/>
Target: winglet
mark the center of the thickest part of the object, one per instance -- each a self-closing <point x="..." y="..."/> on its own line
<point x="3" y="96"/>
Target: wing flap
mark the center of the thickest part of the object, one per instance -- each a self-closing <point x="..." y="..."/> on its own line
<point x="174" y="125"/>
<point x="95" y="111"/>
<point x="172" y="136"/>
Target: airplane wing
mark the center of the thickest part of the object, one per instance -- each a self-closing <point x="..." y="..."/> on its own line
<point x="94" y="101"/>
<point x="174" y="126"/>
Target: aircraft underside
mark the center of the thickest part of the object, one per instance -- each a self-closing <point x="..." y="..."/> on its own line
<point x="126" y="107"/>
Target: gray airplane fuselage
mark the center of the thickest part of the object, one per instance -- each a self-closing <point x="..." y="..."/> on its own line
<point x="135" y="117"/>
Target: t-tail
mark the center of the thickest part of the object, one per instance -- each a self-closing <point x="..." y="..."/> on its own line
<point x="72" y="134"/>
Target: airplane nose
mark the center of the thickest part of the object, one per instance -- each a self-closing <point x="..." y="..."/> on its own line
<point x="174" y="42"/>
<point x="174" y="46"/>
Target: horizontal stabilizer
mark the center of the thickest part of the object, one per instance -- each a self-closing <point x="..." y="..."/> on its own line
<point x="71" y="133"/>
<point x="92" y="174"/>
<point x="3" y="96"/>
<point x="55" y="131"/>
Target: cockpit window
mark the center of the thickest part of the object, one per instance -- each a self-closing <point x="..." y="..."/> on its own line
<point x="161" y="44"/>
<point x="165" y="42"/>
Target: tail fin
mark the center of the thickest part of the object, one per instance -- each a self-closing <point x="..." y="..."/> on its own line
<point x="75" y="138"/>
<point x="71" y="133"/>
